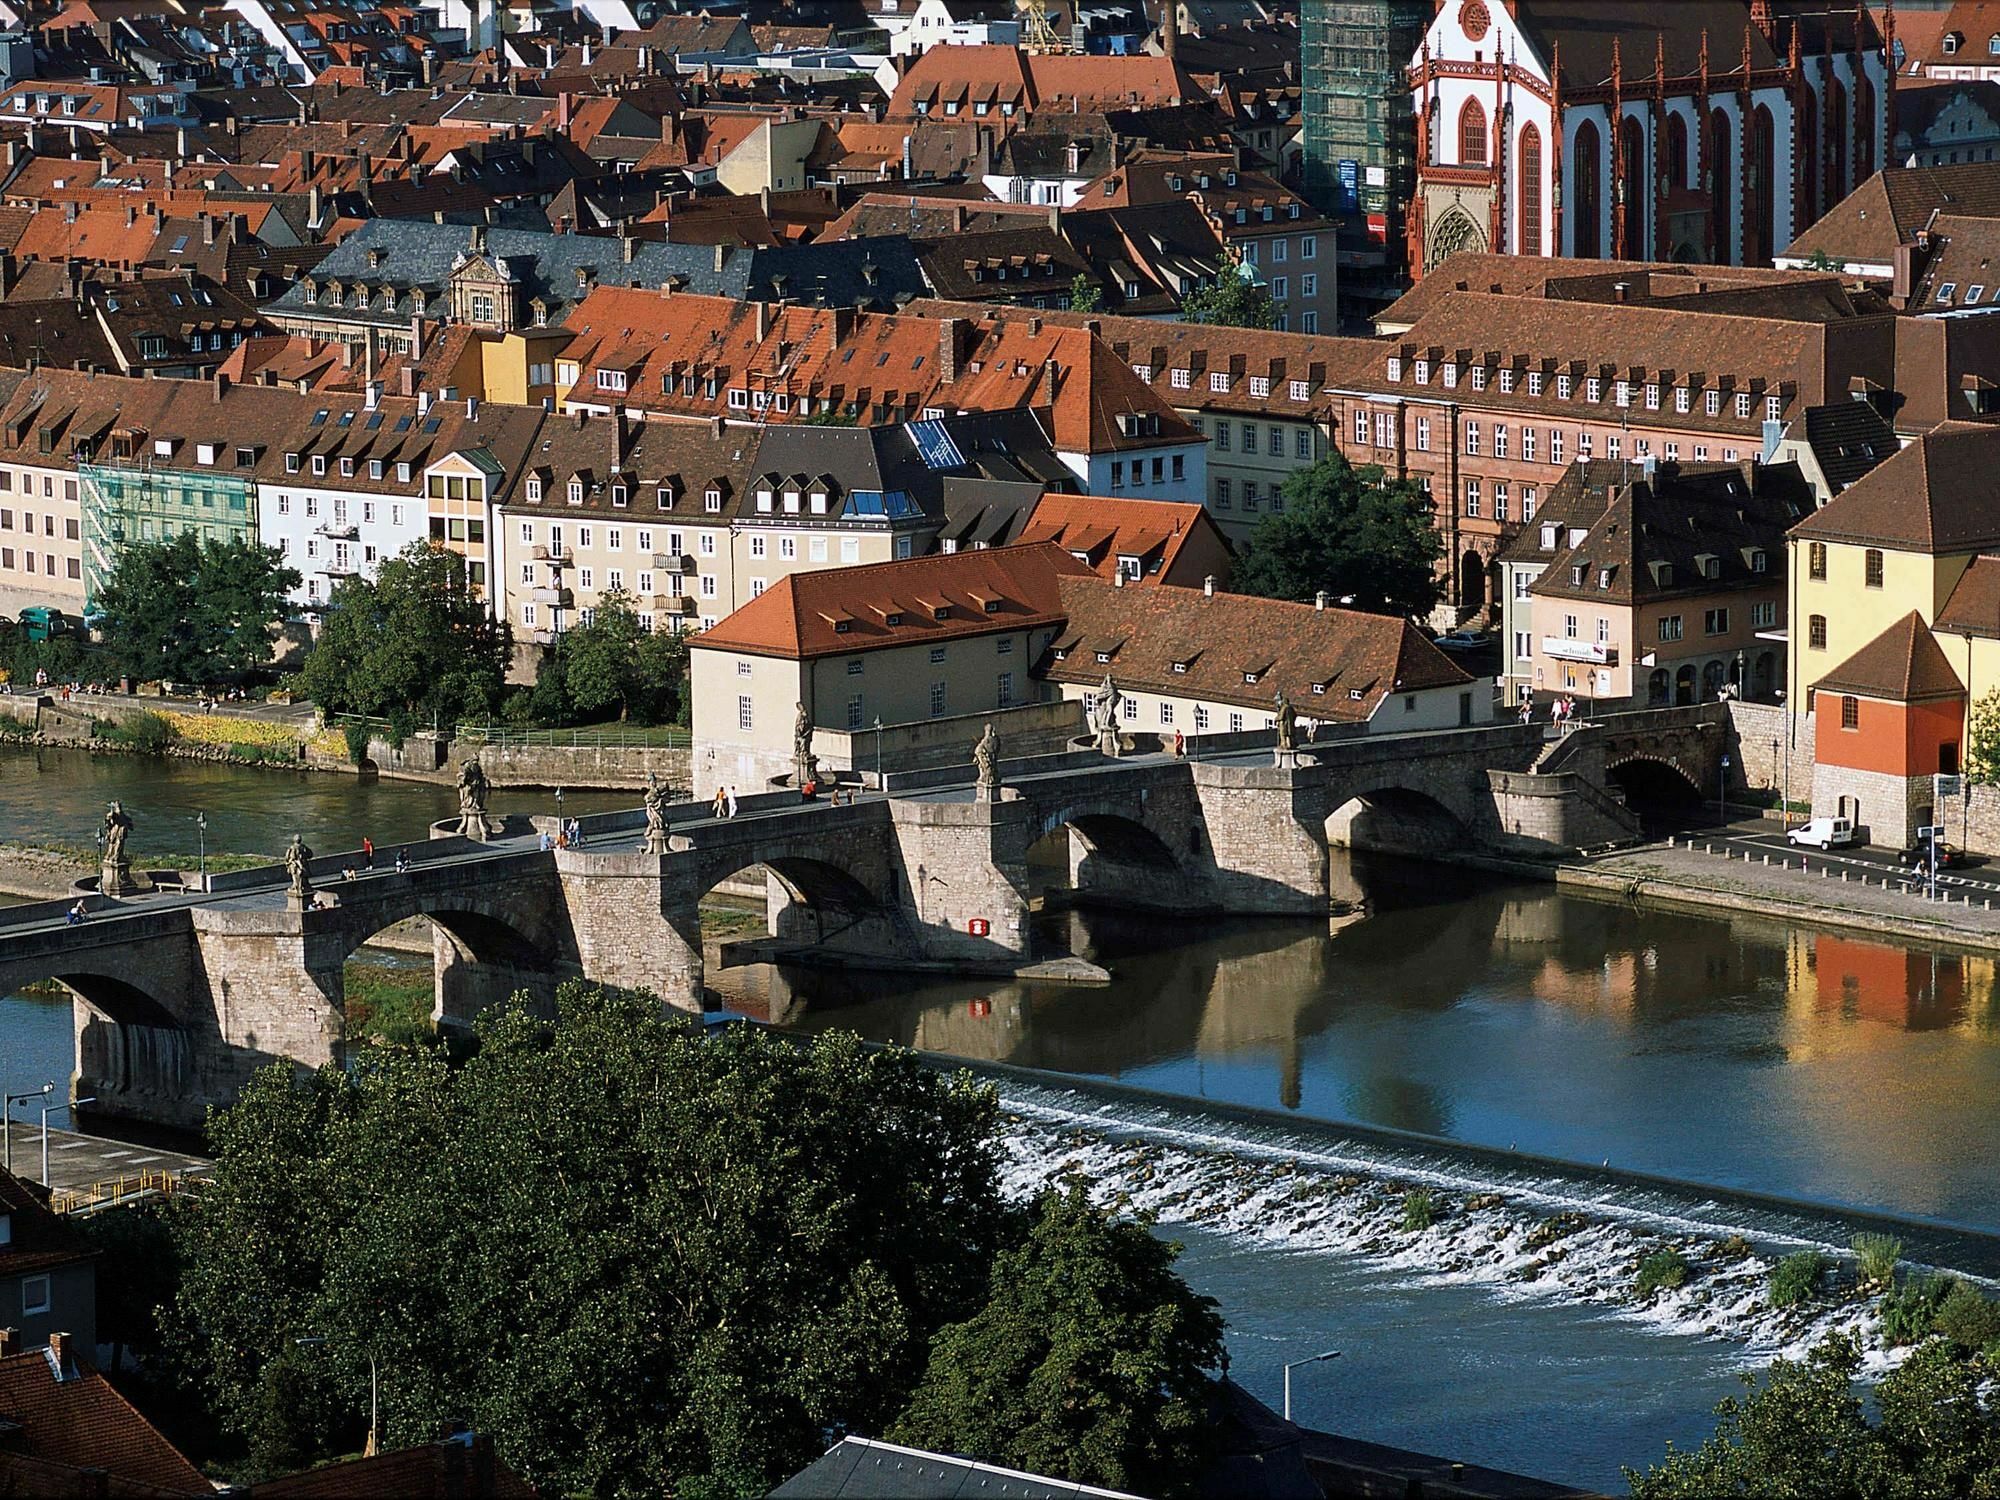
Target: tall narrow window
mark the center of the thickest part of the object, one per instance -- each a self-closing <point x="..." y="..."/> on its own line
<point x="1472" y="135"/>
<point x="1531" y="191"/>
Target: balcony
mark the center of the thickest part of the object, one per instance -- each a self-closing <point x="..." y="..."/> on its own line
<point x="673" y="562"/>
<point x="1563" y="648"/>
<point x="340" y="531"/>
<point x="559" y="597"/>
<point x="555" y="557"/>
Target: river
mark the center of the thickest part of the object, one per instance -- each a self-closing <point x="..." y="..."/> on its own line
<point x="1734" y="1056"/>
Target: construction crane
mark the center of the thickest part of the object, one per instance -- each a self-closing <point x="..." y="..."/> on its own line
<point x="1038" y="30"/>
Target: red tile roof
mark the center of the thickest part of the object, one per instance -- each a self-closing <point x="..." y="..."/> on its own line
<point x="1935" y="496"/>
<point x="1106" y="529"/>
<point x="451" y="1470"/>
<point x="1336" y="665"/>
<point x="843" y="611"/>
<point x="1904" y="664"/>
<point x="79" y="1420"/>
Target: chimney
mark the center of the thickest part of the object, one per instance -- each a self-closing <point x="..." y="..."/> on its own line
<point x="7" y="272"/>
<point x="346" y="355"/>
<point x="221" y="386"/>
<point x="407" y="386"/>
<point x="763" y="321"/>
<point x="717" y="426"/>
<point x="372" y="398"/>
<point x="471" y="407"/>
<point x="416" y="335"/>
<point x="1055" y="218"/>
<point x="949" y="332"/>
<point x="131" y="215"/>
<point x="1170" y="29"/>
<point x="62" y="1357"/>
<point x="1621" y="291"/>
<point x="313" y="207"/>
<point x="423" y="403"/>
<point x="1118" y="579"/>
<point x="1049" y="381"/>
<point x="1208" y="587"/>
<point x="10" y="1342"/>
<point x="721" y="258"/>
<point x="207" y="229"/>
<point x="627" y="246"/>
<point x="958" y="218"/>
<point x="563" y="99"/>
<point x="1319" y="601"/>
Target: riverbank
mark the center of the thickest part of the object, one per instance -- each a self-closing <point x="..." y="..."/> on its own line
<point x="1679" y="878"/>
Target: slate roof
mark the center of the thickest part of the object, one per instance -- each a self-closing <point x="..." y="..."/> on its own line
<point x="1336" y="665"/>
<point x="1848" y="439"/>
<point x="1576" y="499"/>
<point x="845" y="611"/>
<point x="1654" y="533"/>
<point x="1904" y="664"/>
<point x="878" y="273"/>
<point x="1941" y="494"/>
<point x="1587" y="29"/>
<point x="421" y="256"/>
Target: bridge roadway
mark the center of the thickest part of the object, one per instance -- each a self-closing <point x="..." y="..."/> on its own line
<point x="180" y="994"/>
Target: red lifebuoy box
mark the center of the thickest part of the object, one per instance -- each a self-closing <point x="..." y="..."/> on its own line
<point x="978" y="926"/>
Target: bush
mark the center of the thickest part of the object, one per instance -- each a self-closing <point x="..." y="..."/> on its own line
<point x="1877" y="1256"/>
<point x="148" y="733"/>
<point x="1663" y="1268"/>
<point x="355" y="733"/>
<point x="1419" y="1210"/>
<point x="1968" y="1319"/>
<point x="1734" y="1248"/>
<point x="1910" y="1311"/>
<point x="1795" y="1279"/>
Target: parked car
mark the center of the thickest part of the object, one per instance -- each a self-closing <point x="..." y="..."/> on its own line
<point x="1918" y="855"/>
<point x="1464" y="640"/>
<point x="1823" y="833"/>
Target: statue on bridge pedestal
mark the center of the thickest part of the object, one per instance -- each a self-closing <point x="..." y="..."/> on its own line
<point x="472" y="791"/>
<point x="115" y="870"/>
<point x="805" y="765"/>
<point x="656" y="814"/>
<point x="298" y="865"/>
<point x="986" y="759"/>
<point x="1104" y="716"/>
<point x="1287" y="721"/>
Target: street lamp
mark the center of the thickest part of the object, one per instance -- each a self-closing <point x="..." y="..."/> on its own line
<point x="559" y="816"/>
<point x="1330" y="1354"/>
<point x="1722" y="790"/>
<point x="374" y="1402"/>
<point x="46" y="1108"/>
<point x="878" y="752"/>
<point x="201" y="848"/>
<point x="8" y="1123"/>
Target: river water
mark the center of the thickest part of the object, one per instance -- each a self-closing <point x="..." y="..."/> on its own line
<point x="1735" y="1056"/>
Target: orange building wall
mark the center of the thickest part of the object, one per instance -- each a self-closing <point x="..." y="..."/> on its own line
<point x="1895" y="739"/>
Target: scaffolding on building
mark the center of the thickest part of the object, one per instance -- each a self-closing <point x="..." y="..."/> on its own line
<point x="136" y="501"/>
<point x="1360" y="130"/>
<point x="1038" y="31"/>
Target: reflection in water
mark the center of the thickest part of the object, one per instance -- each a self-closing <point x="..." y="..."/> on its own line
<point x="1733" y="1050"/>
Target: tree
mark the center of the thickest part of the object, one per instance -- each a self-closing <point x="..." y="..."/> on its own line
<point x="664" y="692"/>
<point x="1353" y="532"/>
<point x="1085" y="295"/>
<point x="1982" y="739"/>
<point x="601" y="660"/>
<point x="1804" y="1433"/>
<point x="708" y="1255"/>
<point x="1235" y="298"/>
<point x="1086" y="1362"/>
<point x="191" y="610"/>
<point x="412" y="643"/>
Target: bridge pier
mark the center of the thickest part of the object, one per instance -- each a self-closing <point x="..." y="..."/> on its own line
<point x="637" y="923"/>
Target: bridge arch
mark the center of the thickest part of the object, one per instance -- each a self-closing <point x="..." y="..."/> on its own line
<point x="1655" y="786"/>
<point x="129" y="1042"/>
<point x="1395" y="818"/>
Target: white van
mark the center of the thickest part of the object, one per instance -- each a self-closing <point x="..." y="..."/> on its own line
<point x="1823" y="833"/>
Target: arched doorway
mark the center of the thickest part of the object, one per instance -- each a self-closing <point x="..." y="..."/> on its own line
<point x="1658" y="688"/>
<point x="1586" y="209"/>
<point x="1471" y="581"/>
<point x="1684" y="685"/>
<point x="1712" y="677"/>
<point x="1659" y="792"/>
<point x="1763" y="675"/>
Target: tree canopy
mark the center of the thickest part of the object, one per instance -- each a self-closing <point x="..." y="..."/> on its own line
<point x="1354" y="532"/>
<point x="1805" y="1433"/>
<point x="1234" y="299"/>
<point x="193" y="610"/>
<point x="648" y="1261"/>
<point x="1982" y="739"/>
<point x="413" y="642"/>
<point x="1081" y="1304"/>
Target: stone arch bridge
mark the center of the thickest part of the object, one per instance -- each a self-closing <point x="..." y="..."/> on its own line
<point x="178" y="997"/>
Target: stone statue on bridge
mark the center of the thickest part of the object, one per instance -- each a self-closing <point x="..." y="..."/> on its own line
<point x="805" y="765"/>
<point x="1104" y="715"/>
<point x="656" y="814"/>
<point x="473" y="788"/>
<point x="986" y="759"/>
<point x="298" y="865"/>
<point x="115" y="869"/>
<point x="1287" y="719"/>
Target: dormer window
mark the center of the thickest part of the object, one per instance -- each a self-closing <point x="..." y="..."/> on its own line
<point x="1251" y="678"/>
<point x="576" y="492"/>
<point x="534" y="491"/>
<point x="893" y="617"/>
<point x="620" y="496"/>
<point x="1760" y="560"/>
<point x="1180" y="667"/>
<point x="1395" y="367"/>
<point x="942" y="612"/>
<point x="1319" y="690"/>
<point x="711" y="500"/>
<point x="1576" y="576"/>
<point x="1548" y="539"/>
<point x="1423" y="372"/>
<point x="1604" y="578"/>
<point x="1103" y="658"/>
<point x="1356" y="694"/>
